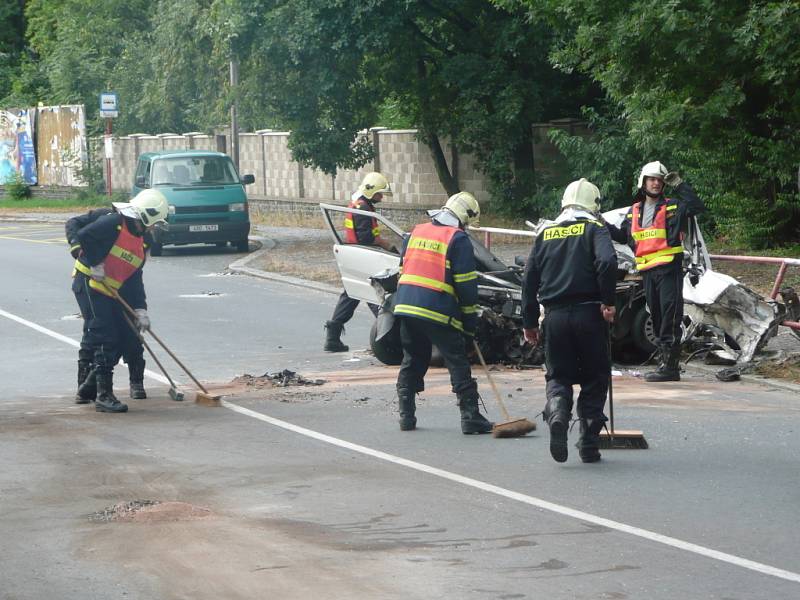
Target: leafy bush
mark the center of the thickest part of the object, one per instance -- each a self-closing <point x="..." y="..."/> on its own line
<point x="16" y="188"/>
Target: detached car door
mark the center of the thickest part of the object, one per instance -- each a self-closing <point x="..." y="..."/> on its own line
<point x="358" y="263"/>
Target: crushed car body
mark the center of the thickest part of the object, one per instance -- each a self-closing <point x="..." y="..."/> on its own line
<point x="720" y="313"/>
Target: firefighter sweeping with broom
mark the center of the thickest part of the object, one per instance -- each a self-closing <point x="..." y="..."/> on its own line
<point x="111" y="260"/>
<point x="571" y="271"/>
<point x="436" y="303"/>
<point x="132" y="349"/>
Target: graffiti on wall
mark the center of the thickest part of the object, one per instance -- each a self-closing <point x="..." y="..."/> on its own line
<point x="17" y="154"/>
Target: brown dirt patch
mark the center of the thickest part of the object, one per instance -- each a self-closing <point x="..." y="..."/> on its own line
<point x="786" y="369"/>
<point x="312" y="260"/>
<point x="150" y="511"/>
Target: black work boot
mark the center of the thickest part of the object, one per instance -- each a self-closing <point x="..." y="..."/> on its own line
<point x="589" y="443"/>
<point x="333" y="332"/>
<point x="136" y="372"/>
<point x="87" y="388"/>
<point x="472" y="421"/>
<point x="557" y="415"/>
<point x="106" y="400"/>
<point x="405" y="399"/>
<point x="669" y="365"/>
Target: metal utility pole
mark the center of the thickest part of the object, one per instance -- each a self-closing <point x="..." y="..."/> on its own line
<point x="234" y="120"/>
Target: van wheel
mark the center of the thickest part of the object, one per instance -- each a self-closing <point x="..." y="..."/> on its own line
<point x="243" y="245"/>
<point x="156" y="249"/>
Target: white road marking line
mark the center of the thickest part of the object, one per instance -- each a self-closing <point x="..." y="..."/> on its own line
<point x="524" y="498"/>
<point x="474" y="483"/>
<point x="68" y="340"/>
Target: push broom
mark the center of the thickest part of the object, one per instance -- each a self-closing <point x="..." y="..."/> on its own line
<point x="201" y="397"/>
<point x="510" y="427"/>
<point x="173" y="389"/>
<point x="624" y="439"/>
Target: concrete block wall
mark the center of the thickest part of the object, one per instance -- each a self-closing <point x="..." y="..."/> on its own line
<point x="406" y="162"/>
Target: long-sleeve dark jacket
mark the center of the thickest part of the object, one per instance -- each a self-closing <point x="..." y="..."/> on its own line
<point x="96" y="232"/>
<point x="363" y="225"/>
<point x="572" y="262"/>
<point x="460" y="274"/>
<point x="688" y="205"/>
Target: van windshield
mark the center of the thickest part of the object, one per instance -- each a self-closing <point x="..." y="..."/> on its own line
<point x="193" y="170"/>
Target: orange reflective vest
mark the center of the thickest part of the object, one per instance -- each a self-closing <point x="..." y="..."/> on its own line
<point x="124" y="259"/>
<point x="425" y="260"/>
<point x="652" y="249"/>
<point x="349" y="226"/>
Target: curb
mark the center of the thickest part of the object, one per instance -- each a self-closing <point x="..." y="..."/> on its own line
<point x="240" y="266"/>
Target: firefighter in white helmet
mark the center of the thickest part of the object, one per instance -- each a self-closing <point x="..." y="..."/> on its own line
<point x="655" y="226"/>
<point x="364" y="230"/>
<point x="436" y="303"/>
<point x="110" y="252"/>
<point x="571" y="271"/>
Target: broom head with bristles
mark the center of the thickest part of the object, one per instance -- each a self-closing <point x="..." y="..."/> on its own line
<point x="622" y="439"/>
<point x="515" y="428"/>
<point x="207" y="399"/>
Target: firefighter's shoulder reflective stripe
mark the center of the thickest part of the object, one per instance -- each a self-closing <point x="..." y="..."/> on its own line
<point x="418" y="311"/>
<point x="649" y="234"/>
<point x="629" y="216"/>
<point x="557" y="232"/>
<point x="427" y="282"/>
<point x="672" y="206"/>
<point x="469" y="309"/>
<point x="462" y="277"/>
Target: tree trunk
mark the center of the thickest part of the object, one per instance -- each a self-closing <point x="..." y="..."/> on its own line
<point x="524" y="174"/>
<point x="448" y="180"/>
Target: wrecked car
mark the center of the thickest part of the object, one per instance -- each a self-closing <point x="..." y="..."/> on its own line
<point x="719" y="313"/>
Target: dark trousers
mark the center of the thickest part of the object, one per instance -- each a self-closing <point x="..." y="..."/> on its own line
<point x="576" y="353"/>
<point x="345" y="308"/>
<point x="417" y="336"/>
<point x="106" y="335"/>
<point x="663" y="290"/>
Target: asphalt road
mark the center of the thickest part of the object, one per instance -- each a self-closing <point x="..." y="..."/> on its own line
<point x="315" y="493"/>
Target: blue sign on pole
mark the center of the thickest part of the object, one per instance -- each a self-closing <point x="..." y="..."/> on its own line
<point x="109" y="107"/>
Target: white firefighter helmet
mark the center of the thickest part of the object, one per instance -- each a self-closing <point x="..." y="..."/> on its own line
<point x="582" y="193"/>
<point x="652" y="169"/>
<point x="465" y="207"/>
<point x="374" y="183"/>
<point x="149" y="206"/>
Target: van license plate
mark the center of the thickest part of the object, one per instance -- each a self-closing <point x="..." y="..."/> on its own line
<point x="203" y="227"/>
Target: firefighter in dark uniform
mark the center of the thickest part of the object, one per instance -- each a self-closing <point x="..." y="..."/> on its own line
<point x="436" y="303"/>
<point x="571" y="271"/>
<point x="132" y="349"/>
<point x="359" y="229"/>
<point x="111" y="258"/>
<point x="655" y="226"/>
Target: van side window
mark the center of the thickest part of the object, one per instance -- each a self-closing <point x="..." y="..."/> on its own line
<point x="143" y="173"/>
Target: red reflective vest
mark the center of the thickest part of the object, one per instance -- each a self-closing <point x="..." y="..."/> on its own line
<point x="652" y="249"/>
<point x="124" y="259"/>
<point x="425" y="260"/>
<point x="349" y="226"/>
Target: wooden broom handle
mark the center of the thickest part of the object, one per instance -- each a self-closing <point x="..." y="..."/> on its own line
<point x="491" y="382"/>
<point x="156" y="338"/>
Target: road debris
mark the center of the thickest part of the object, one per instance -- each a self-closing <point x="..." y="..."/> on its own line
<point x="146" y="511"/>
<point x="283" y="378"/>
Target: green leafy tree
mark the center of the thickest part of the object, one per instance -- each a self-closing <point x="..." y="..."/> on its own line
<point x="708" y="87"/>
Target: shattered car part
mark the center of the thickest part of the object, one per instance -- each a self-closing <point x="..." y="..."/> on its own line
<point x="720" y="312"/>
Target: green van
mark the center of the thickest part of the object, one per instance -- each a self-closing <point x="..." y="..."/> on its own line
<point x="207" y="201"/>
